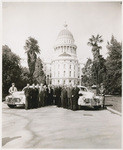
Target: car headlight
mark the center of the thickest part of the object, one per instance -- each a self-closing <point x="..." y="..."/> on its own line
<point x="18" y="100"/>
<point x="84" y="98"/>
<point x="97" y="100"/>
<point x="87" y="100"/>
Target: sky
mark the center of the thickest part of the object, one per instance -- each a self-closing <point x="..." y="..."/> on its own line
<point x="44" y="21"/>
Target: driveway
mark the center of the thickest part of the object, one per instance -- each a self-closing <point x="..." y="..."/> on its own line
<point x="52" y="127"/>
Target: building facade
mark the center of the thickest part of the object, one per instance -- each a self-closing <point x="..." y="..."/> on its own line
<point x="64" y="67"/>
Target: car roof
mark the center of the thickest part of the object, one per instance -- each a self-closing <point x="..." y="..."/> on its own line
<point x="80" y="86"/>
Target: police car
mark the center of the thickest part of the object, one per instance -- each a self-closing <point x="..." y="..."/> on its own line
<point x="16" y="99"/>
<point x="89" y="98"/>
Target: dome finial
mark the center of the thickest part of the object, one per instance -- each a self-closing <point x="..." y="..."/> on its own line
<point x="65" y="25"/>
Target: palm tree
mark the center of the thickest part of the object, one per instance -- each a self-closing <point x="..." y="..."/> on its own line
<point x="94" y="41"/>
<point x="32" y="49"/>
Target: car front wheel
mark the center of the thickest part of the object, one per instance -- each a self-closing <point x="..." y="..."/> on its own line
<point x="11" y="106"/>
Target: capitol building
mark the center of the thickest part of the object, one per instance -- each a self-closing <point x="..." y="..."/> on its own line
<point x="64" y="69"/>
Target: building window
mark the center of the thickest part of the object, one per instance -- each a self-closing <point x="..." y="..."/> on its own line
<point x="58" y="81"/>
<point x="70" y="66"/>
<point x="64" y="73"/>
<point x="74" y="73"/>
<point x="64" y="81"/>
<point x="74" y="82"/>
<point x="70" y="81"/>
<point x="70" y="73"/>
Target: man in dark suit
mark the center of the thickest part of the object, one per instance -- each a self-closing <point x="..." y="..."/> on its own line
<point x="54" y="95"/>
<point x="28" y="98"/>
<point x="50" y="95"/>
<point x="37" y="96"/>
<point x="58" y="96"/>
<point x="75" y="96"/>
<point x="64" y="99"/>
<point x="33" y="96"/>
<point x="45" y="95"/>
<point x="69" y="95"/>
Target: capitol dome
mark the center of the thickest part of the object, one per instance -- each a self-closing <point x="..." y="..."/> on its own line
<point x="65" y="37"/>
<point x="65" y="33"/>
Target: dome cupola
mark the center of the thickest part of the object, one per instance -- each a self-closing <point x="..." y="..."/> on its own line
<point x="65" y="37"/>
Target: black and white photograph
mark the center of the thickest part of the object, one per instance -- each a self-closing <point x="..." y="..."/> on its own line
<point x="61" y="75"/>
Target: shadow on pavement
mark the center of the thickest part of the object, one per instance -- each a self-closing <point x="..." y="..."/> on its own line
<point x="8" y="139"/>
<point x="91" y="109"/>
<point x="19" y="107"/>
<point x="109" y="105"/>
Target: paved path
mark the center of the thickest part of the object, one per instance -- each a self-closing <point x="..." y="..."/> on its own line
<point x="114" y="102"/>
<point x="52" y="127"/>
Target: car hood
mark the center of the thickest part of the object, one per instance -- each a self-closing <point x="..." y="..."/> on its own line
<point x="88" y="94"/>
<point x="17" y="94"/>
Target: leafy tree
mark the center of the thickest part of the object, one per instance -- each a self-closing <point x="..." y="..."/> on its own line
<point x="25" y="77"/>
<point x="32" y="49"/>
<point x="114" y="67"/>
<point x="39" y="75"/>
<point x="11" y="69"/>
<point x="87" y="72"/>
<point x="99" y="70"/>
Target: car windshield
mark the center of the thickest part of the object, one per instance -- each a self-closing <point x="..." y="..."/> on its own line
<point x="83" y="89"/>
<point x="19" y="93"/>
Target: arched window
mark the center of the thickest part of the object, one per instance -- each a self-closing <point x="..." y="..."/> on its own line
<point x="64" y="81"/>
<point x="70" y="73"/>
<point x="64" y="73"/>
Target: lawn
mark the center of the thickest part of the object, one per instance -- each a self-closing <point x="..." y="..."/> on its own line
<point x="114" y="102"/>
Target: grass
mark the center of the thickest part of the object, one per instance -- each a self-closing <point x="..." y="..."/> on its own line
<point x="114" y="102"/>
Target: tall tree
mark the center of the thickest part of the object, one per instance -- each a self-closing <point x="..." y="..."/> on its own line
<point x="39" y="75"/>
<point x="11" y="69"/>
<point x="94" y="42"/>
<point x="87" y="73"/>
<point x="25" y="77"/>
<point x="32" y="49"/>
<point x="99" y="71"/>
<point x="114" y="66"/>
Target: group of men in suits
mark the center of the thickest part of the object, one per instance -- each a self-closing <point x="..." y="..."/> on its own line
<point x="43" y="95"/>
